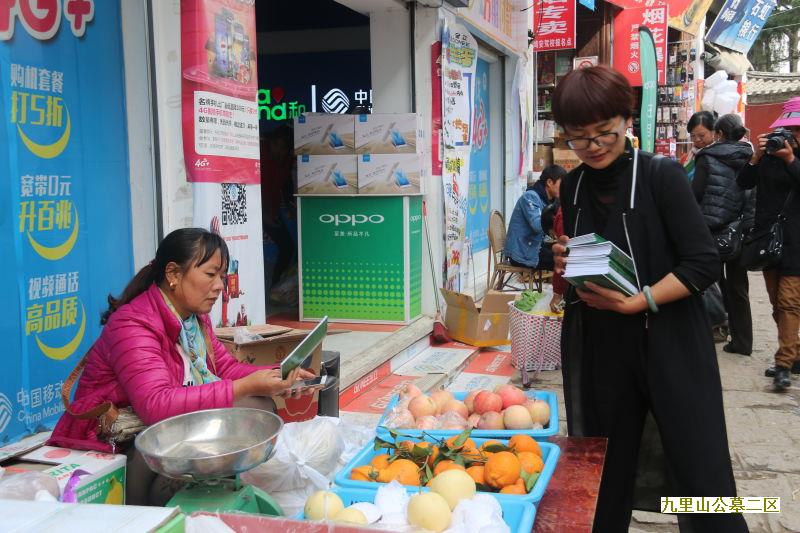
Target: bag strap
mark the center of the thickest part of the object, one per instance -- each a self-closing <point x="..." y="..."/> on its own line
<point x="66" y="390"/>
<point x="786" y="203"/>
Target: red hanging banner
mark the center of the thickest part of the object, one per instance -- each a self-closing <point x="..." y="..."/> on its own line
<point x="626" y="40"/>
<point x="553" y="25"/>
<point x="219" y="84"/>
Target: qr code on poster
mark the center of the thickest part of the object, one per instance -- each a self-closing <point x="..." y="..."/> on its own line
<point x="234" y="204"/>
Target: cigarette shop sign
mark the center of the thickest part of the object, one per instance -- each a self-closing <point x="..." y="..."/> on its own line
<point x="42" y="18"/>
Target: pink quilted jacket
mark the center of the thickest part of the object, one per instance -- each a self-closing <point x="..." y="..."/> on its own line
<point x="135" y="362"/>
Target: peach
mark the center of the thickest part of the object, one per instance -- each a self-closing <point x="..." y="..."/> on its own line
<point x="428" y="422"/>
<point x="422" y="406"/>
<point x="517" y="417"/>
<point x="452" y="420"/>
<point x="473" y="420"/>
<point x="410" y="391"/>
<point x="468" y="401"/>
<point x="440" y="398"/>
<point x="511" y="395"/>
<point x="539" y="411"/>
<point x="486" y="401"/>
<point x="456" y="406"/>
<point x="491" y="420"/>
<point x="401" y="418"/>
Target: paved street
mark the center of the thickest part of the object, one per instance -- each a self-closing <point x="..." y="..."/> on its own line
<point x="763" y="428"/>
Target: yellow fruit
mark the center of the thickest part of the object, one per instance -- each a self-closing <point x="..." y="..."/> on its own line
<point x="502" y="469"/>
<point x="322" y="505"/>
<point x="429" y="510"/>
<point x="530" y="462"/>
<point x="524" y="443"/>
<point x="454" y="486"/>
<point x="116" y="494"/>
<point x="350" y="516"/>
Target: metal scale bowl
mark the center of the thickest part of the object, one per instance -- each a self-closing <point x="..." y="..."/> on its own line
<point x="209" y="449"/>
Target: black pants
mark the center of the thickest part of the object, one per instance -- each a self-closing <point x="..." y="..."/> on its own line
<point x="735" y="293"/>
<point x="620" y="386"/>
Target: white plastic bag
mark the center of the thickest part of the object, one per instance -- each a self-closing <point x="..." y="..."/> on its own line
<point x="715" y="78"/>
<point x="708" y="99"/>
<point x="206" y="524"/>
<point x="28" y="486"/>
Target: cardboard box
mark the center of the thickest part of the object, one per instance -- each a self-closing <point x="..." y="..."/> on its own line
<point x="543" y="157"/>
<point x="324" y="134"/>
<point x="566" y="158"/>
<point x="478" y="325"/>
<point x="387" y="133"/>
<point x="327" y="174"/>
<point x="271" y="351"/>
<point x="103" y="481"/>
<point x="389" y="174"/>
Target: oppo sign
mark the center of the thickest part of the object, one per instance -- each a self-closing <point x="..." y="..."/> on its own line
<point x="353" y="220"/>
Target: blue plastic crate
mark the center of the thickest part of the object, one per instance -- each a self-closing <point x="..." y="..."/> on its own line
<point x="550" y="453"/>
<point x="518" y="515"/>
<point x="549" y="431"/>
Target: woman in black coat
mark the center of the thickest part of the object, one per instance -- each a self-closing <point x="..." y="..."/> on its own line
<point x="625" y="358"/>
<point x="723" y="203"/>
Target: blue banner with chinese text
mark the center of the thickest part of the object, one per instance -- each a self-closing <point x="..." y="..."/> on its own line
<point x="739" y="22"/>
<point x="65" y="227"/>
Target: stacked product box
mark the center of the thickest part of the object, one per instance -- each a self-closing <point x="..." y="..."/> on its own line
<point x="326" y="160"/>
<point x="389" y="160"/>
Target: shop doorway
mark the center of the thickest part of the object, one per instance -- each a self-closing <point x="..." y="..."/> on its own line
<point x="313" y="56"/>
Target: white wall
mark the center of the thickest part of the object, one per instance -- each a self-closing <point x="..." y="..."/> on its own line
<point x="140" y="131"/>
<point x="390" y="60"/>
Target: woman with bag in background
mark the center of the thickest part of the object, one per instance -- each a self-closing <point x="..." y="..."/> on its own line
<point x="723" y="204"/>
<point x="774" y="243"/>
<point x="158" y="357"/>
<point x="641" y="366"/>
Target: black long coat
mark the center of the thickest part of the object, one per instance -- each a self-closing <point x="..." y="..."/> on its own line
<point x="666" y="233"/>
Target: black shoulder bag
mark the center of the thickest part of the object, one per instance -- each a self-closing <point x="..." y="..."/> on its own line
<point x="729" y="240"/>
<point x="762" y="248"/>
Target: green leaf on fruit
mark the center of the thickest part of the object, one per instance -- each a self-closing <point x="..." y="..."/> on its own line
<point x="484" y="488"/>
<point x="462" y="438"/>
<point x="495" y="448"/>
<point x="531" y="481"/>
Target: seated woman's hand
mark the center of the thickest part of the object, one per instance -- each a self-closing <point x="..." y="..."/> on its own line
<point x="560" y="254"/>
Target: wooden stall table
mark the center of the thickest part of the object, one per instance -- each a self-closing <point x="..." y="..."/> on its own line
<point x="570" y="501"/>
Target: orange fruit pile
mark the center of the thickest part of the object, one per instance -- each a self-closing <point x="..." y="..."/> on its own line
<point x="495" y="466"/>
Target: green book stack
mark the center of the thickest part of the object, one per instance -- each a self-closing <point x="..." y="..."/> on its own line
<point x="592" y="258"/>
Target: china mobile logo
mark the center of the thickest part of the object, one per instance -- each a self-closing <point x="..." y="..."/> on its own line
<point x="343" y="219"/>
<point x="42" y="18"/>
<point x="6" y="410"/>
<point x="335" y="101"/>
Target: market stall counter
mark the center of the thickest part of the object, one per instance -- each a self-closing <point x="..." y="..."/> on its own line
<point x="360" y="257"/>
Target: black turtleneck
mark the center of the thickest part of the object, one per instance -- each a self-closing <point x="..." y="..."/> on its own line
<point x="603" y="184"/>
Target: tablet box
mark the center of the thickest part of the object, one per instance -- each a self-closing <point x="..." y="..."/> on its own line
<point x="327" y="174"/>
<point x="389" y="174"/>
<point x="324" y="134"/>
<point x="388" y="133"/>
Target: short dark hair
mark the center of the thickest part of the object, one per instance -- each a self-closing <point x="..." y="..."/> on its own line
<point x="701" y="118"/>
<point x="731" y="127"/>
<point x="593" y="94"/>
<point x="553" y="173"/>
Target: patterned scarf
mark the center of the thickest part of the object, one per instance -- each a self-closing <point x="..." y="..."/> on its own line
<point x="194" y="344"/>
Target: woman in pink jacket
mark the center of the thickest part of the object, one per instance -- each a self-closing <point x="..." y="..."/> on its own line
<point x="158" y="352"/>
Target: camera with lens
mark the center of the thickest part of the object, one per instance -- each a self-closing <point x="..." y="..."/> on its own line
<point x="777" y="140"/>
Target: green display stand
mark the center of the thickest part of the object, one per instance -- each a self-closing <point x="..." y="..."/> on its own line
<point x="227" y="495"/>
<point x="360" y="258"/>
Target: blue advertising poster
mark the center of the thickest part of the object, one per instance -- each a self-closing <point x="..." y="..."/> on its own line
<point x="739" y="22"/>
<point x="478" y="199"/>
<point x="65" y="227"/>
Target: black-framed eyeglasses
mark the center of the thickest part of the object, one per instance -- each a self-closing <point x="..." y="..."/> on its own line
<point x="603" y="141"/>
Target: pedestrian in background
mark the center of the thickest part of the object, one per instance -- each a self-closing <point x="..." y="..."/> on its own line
<point x="701" y="133"/>
<point x="776" y="177"/>
<point x="628" y="357"/>
<point x="723" y="204"/>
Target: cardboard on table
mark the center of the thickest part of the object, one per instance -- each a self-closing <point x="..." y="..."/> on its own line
<point x="21" y="515"/>
<point x="478" y="325"/>
<point x="271" y="351"/>
<point x="101" y="475"/>
<point x="543" y="157"/>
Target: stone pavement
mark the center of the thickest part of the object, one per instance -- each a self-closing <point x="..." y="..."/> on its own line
<point x="763" y="428"/>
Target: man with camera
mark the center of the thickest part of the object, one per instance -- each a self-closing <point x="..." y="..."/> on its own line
<point x="775" y="170"/>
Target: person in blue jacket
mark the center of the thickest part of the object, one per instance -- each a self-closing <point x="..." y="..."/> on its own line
<point x="525" y="233"/>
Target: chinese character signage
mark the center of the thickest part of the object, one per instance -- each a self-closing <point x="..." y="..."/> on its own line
<point x="459" y="62"/>
<point x="739" y="22"/>
<point x="64" y="203"/>
<point x="219" y="89"/>
<point x="627" y="48"/>
<point x="553" y="25"/>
